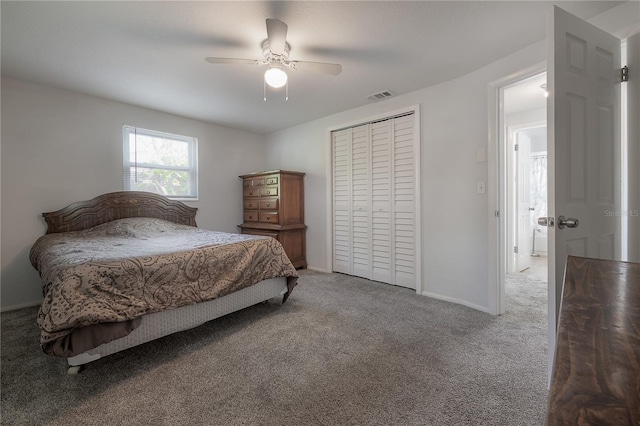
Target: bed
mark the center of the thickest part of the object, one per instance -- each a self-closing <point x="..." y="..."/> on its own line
<point x="129" y="267"/>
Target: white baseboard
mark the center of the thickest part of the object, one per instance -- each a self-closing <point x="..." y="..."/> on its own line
<point x="20" y="306"/>
<point x="457" y="301"/>
<point x="314" y="268"/>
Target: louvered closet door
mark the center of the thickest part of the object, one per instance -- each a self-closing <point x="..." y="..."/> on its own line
<point x="381" y="206"/>
<point x="361" y="202"/>
<point x="342" y="240"/>
<point x="374" y="182"/>
<point x="404" y="202"/>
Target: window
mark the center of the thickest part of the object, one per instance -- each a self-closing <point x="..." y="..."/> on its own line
<point x="160" y="162"/>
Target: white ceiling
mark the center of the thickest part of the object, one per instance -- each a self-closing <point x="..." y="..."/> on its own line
<point x="525" y="95"/>
<point x="152" y="53"/>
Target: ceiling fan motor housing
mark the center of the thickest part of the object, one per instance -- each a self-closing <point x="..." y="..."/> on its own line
<point x="271" y="57"/>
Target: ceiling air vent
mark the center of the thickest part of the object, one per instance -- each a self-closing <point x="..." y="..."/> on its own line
<point x="380" y="95"/>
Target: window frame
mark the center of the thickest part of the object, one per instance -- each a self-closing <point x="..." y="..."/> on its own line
<point x="129" y="163"/>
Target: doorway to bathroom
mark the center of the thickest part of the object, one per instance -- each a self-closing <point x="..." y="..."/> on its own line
<point x="525" y="148"/>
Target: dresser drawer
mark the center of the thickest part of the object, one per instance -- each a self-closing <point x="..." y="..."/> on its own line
<point x="252" y="216"/>
<point x="269" y="191"/>
<point x="251" y="204"/>
<point x="272" y="180"/>
<point x="247" y="183"/>
<point x="261" y="232"/>
<point x="268" y="204"/>
<point x="269" y="217"/>
<point x="251" y="192"/>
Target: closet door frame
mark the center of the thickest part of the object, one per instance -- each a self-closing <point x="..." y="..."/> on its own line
<point x="415" y="109"/>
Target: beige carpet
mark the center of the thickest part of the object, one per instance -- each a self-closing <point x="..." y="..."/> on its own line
<point x="341" y="351"/>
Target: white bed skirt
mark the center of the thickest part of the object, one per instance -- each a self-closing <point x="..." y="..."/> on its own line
<point x="160" y="324"/>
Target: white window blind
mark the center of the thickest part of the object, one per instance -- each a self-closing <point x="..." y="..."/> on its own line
<point x="160" y="162"/>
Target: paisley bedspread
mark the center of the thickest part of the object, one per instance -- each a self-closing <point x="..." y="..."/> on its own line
<point x="122" y="270"/>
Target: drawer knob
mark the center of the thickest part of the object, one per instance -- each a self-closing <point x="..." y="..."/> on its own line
<point x="268" y="192"/>
<point x="268" y="217"/>
<point x="268" y="204"/>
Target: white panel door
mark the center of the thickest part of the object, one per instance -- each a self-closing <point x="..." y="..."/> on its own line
<point x="583" y="147"/>
<point x="523" y="197"/>
<point x="404" y="202"/>
<point x="360" y="202"/>
<point x="342" y="239"/>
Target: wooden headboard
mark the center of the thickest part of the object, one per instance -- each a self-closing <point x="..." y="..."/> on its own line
<point x="118" y="205"/>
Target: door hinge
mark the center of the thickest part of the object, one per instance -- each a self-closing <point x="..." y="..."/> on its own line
<point x="515" y="249"/>
<point x="515" y="147"/>
<point x="624" y="74"/>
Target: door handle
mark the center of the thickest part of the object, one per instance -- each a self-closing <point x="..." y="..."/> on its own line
<point x="546" y="221"/>
<point x="567" y="222"/>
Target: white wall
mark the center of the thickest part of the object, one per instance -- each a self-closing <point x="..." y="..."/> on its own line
<point x="454" y="124"/>
<point x="59" y="147"/>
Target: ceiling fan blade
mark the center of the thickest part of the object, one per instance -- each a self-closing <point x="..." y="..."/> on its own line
<point x="213" y="60"/>
<point x="277" y="35"/>
<point x="321" y="67"/>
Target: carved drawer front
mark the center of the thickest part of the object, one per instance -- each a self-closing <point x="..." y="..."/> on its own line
<point x="247" y="183"/>
<point x="269" y="191"/>
<point x="250" y="204"/>
<point x="252" y="192"/>
<point x="251" y="216"/>
<point x="270" y="217"/>
<point x="268" y="204"/>
<point x="272" y="180"/>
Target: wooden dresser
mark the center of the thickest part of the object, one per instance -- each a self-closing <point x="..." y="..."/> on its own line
<point x="596" y="371"/>
<point x="274" y="206"/>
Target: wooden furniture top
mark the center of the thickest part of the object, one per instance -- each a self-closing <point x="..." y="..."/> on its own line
<point x="271" y="172"/>
<point x="596" y="371"/>
<point x="118" y="205"/>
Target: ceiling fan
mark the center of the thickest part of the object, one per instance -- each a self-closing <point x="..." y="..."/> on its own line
<point x="276" y="55"/>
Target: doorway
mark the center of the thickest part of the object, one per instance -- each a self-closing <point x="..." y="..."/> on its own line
<point x="524" y="114"/>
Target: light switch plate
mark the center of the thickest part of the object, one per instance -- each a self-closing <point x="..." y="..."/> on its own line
<point x="482" y="187"/>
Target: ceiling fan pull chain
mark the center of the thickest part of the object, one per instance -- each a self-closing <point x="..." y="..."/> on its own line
<point x="264" y="90"/>
<point x="286" y="97"/>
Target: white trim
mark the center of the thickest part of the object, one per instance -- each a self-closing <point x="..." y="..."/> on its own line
<point x="457" y="301"/>
<point x="20" y="306"/>
<point x="377" y="117"/>
<point x="417" y="138"/>
<point x="192" y="169"/>
<point x="329" y="198"/>
<point x="313" y="268"/>
<point x="415" y="109"/>
<point x="495" y="187"/>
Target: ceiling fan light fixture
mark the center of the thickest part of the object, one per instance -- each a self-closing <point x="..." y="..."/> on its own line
<point x="275" y="77"/>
